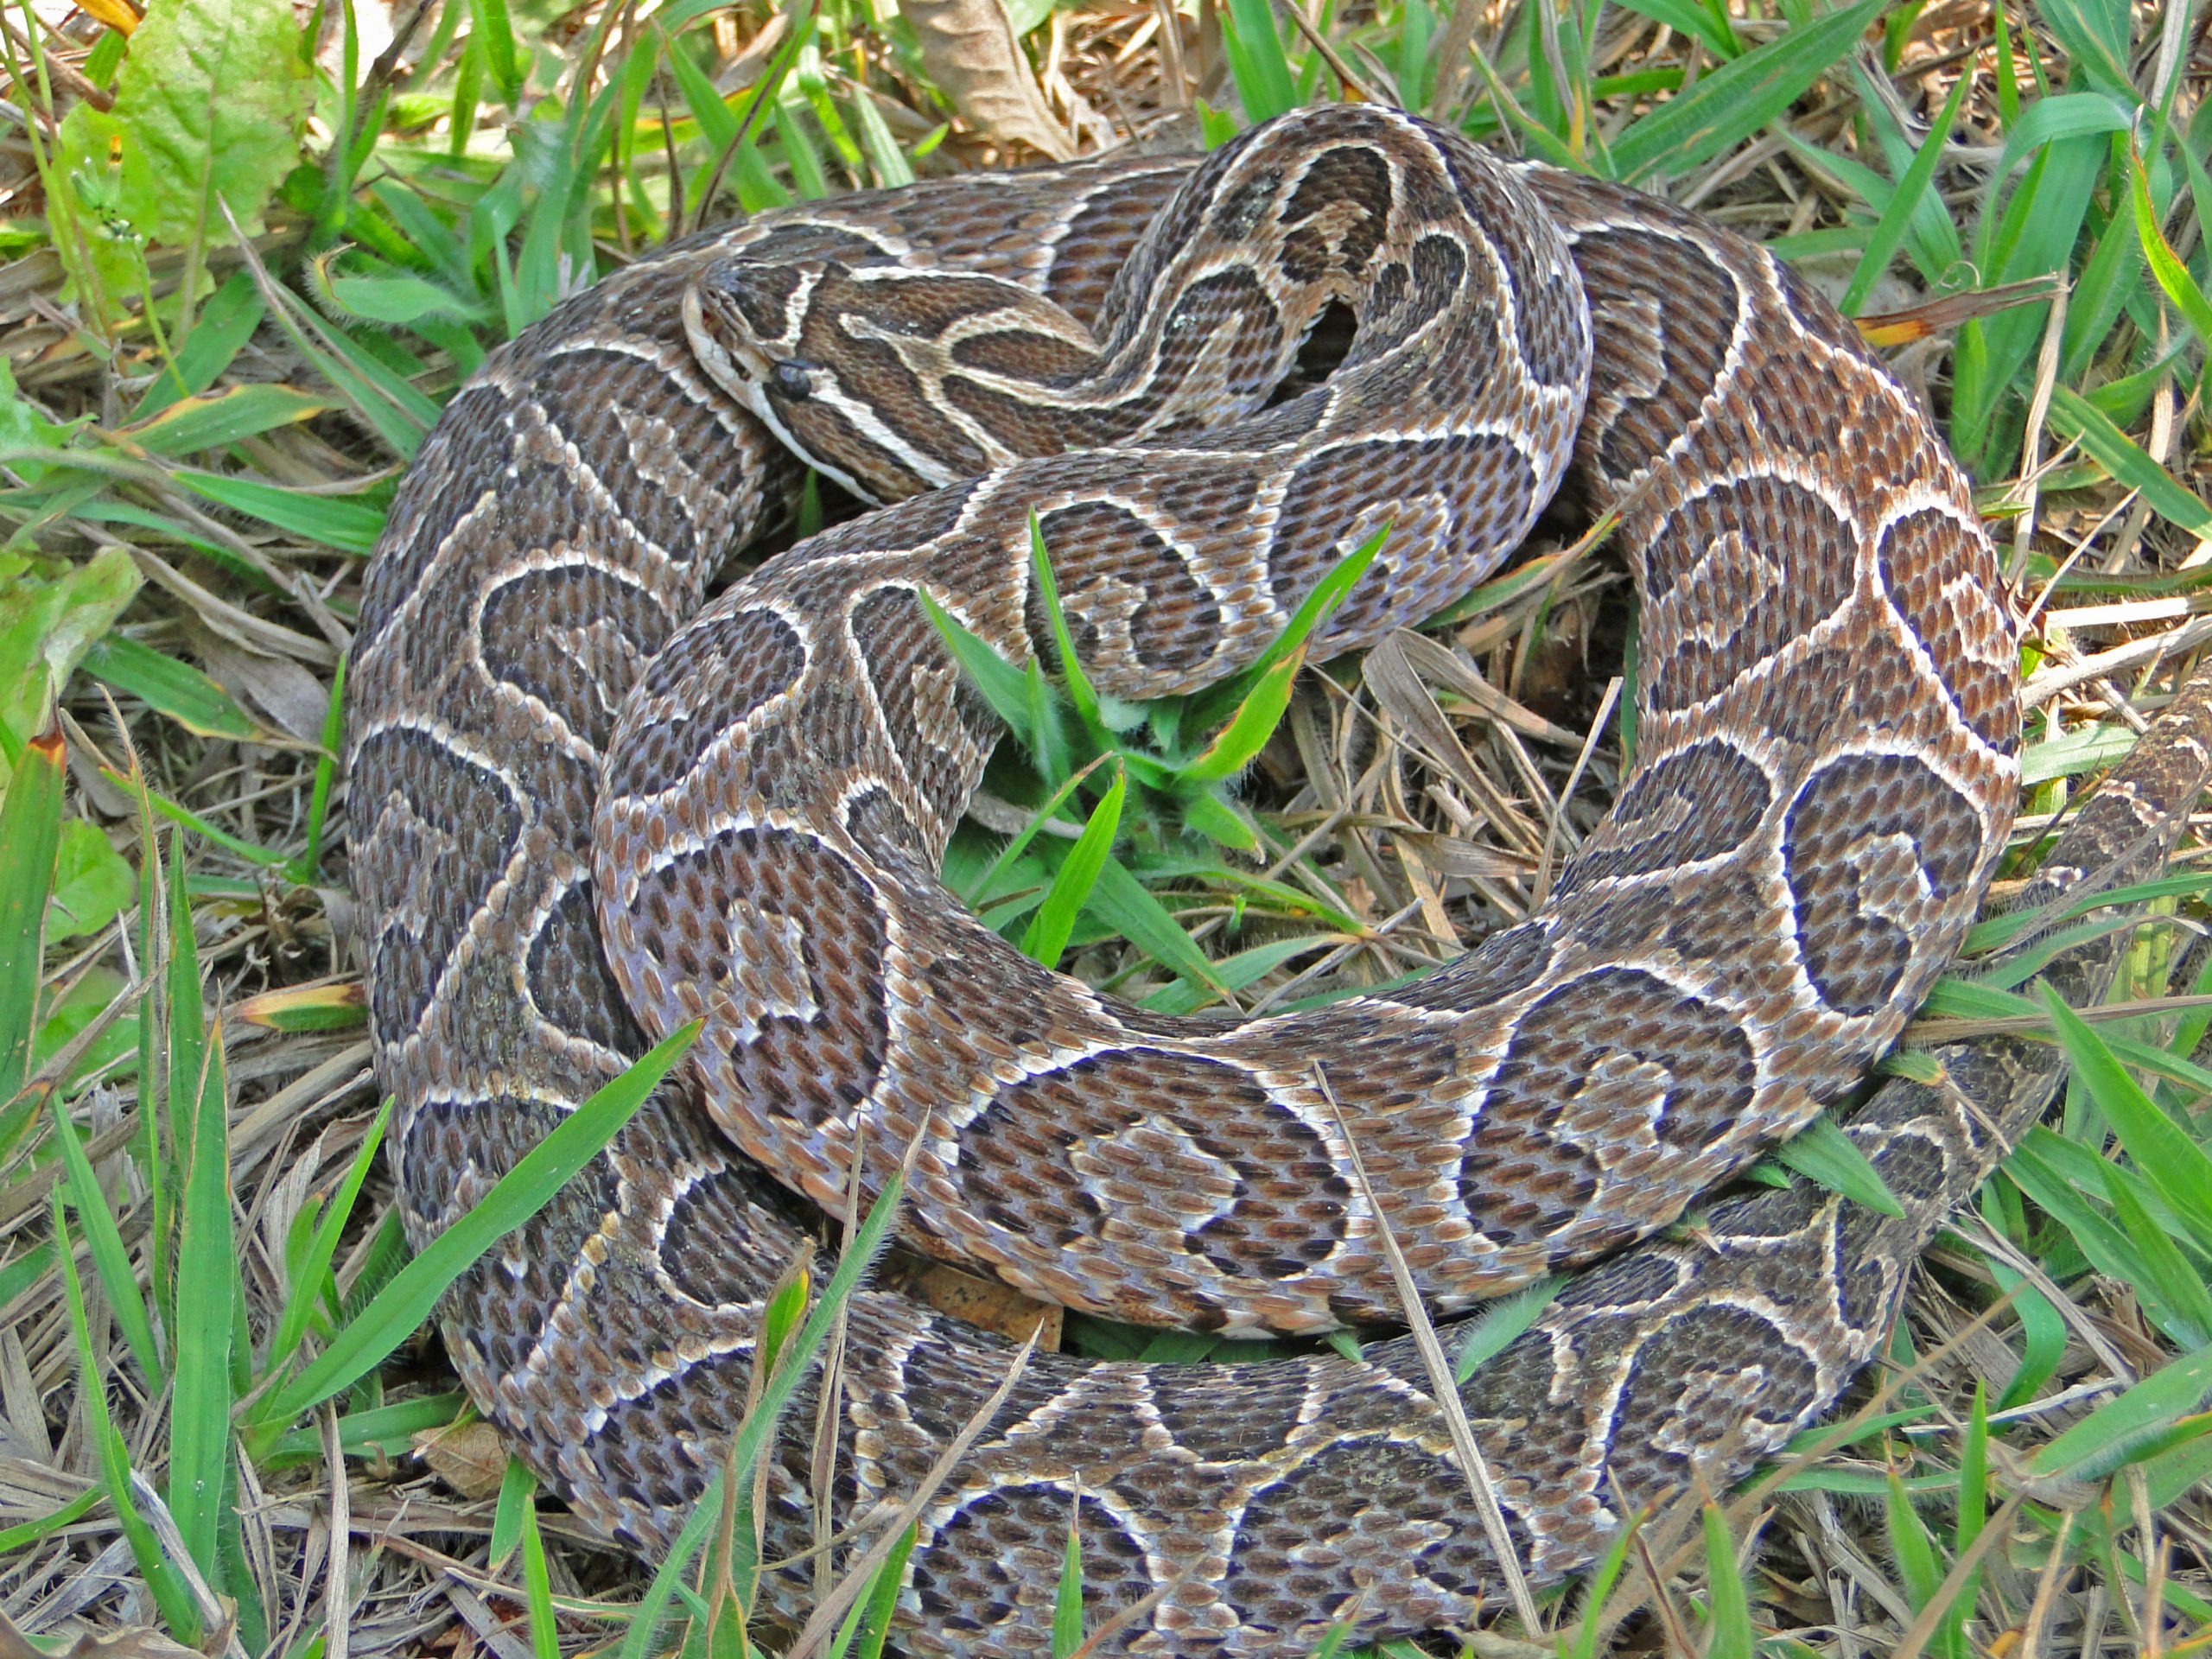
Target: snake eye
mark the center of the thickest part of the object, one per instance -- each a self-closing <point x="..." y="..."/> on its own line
<point x="793" y="378"/>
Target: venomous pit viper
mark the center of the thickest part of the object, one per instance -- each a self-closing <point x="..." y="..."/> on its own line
<point x="588" y="805"/>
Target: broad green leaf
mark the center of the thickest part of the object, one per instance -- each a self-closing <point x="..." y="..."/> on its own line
<point x="21" y="427"/>
<point x="47" y="624"/>
<point x="60" y="1023"/>
<point x="91" y="882"/>
<point x="209" y="108"/>
<point x="1213" y="706"/>
<point x="1127" y="906"/>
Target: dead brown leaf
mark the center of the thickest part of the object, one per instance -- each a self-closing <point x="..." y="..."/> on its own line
<point x="974" y="57"/>
<point x="470" y="1458"/>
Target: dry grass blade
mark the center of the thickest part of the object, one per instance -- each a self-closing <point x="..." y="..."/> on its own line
<point x="833" y="1606"/>
<point x="1446" y="1389"/>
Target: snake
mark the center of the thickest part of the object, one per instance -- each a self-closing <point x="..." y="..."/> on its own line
<point x="600" y="788"/>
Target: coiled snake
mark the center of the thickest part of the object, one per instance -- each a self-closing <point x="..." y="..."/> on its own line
<point x="553" y="745"/>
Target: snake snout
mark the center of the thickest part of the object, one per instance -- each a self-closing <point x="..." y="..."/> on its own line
<point x="739" y="317"/>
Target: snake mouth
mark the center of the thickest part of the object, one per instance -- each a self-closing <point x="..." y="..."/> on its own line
<point x="723" y="343"/>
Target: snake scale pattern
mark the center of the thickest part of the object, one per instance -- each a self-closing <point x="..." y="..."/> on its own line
<point x="589" y="806"/>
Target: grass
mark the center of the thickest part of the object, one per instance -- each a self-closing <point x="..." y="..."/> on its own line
<point x="212" y="1363"/>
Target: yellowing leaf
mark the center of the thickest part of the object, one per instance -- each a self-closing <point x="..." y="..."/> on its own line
<point x="117" y="16"/>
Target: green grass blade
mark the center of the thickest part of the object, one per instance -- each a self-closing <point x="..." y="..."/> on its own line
<point x="1730" y="1607"/>
<point x="1125" y="904"/>
<point x="1493" y="1331"/>
<point x="312" y="1271"/>
<point x="1209" y="707"/>
<point x="23" y="1536"/>
<point x="1823" y="1153"/>
<point x="170" y="687"/>
<point x="207" y="1296"/>
<point x="1608" y="1573"/>
<point x="306" y="868"/>
<point x="1004" y="686"/>
<point x="2113" y="1433"/>
<point x="2165" y="264"/>
<point x="379" y="1431"/>
<point x="521" y="1193"/>
<point x="883" y="1596"/>
<point x="1688" y="17"/>
<point x="110" y="1257"/>
<point x="2172" y="1291"/>
<point x="979" y="891"/>
<point x="350" y="526"/>
<point x="1079" y="691"/>
<point x="1067" y="1595"/>
<point x="1048" y="931"/>
<point x="30" y="837"/>
<point x="171" y="1595"/>
<point x="537" y="1585"/>
<point x="1255" y="59"/>
<point x="2075" y="417"/>
<point x="1739" y="98"/>
<point x="1910" y="1546"/>
<point x="1250" y="727"/>
<point x="1905" y="203"/>
<point x="2167" y="1156"/>
<point x="760" y="1423"/>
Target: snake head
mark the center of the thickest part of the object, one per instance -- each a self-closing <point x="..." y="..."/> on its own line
<point x="893" y="380"/>
<point x="744" y="320"/>
<point x="765" y="334"/>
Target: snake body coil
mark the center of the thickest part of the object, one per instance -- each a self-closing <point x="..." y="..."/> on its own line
<point x="1825" y="775"/>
